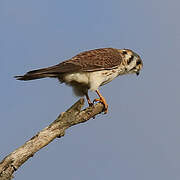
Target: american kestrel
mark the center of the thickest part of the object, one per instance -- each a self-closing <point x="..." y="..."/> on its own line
<point x="91" y="69"/>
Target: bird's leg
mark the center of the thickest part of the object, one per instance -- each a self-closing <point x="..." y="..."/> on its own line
<point x="102" y="100"/>
<point x="88" y="100"/>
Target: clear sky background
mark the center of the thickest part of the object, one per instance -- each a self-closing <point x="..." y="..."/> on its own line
<point x="140" y="137"/>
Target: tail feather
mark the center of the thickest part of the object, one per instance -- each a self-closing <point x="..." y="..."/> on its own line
<point x="38" y="74"/>
<point x="27" y="77"/>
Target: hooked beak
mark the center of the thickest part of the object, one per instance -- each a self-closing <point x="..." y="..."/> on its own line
<point x="137" y="73"/>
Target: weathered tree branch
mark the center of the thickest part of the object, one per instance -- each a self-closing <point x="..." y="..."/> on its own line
<point x="71" y="117"/>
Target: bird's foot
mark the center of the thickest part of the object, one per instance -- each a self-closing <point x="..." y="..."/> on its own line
<point x="103" y="101"/>
<point x="88" y="100"/>
<point x="90" y="104"/>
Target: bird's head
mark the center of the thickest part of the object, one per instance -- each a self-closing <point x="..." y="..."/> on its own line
<point x="132" y="61"/>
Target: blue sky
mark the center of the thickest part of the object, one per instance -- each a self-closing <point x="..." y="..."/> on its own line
<point x="139" y="138"/>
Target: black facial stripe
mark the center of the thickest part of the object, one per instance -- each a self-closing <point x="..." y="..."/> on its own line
<point x="130" y="59"/>
<point x="133" y="68"/>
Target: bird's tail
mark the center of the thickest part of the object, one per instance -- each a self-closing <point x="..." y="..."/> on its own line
<point x="39" y="73"/>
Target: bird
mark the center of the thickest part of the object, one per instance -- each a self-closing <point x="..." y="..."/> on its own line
<point x="89" y="70"/>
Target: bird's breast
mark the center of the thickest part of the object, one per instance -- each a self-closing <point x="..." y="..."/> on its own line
<point x="99" y="78"/>
<point x="91" y="80"/>
<point x="109" y="75"/>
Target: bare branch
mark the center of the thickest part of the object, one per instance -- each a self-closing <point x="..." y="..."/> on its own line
<point x="71" y="117"/>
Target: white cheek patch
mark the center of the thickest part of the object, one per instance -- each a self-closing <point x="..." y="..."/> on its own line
<point x="132" y="64"/>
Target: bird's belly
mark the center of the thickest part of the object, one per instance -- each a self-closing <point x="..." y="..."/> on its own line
<point x="79" y="77"/>
<point x="90" y="80"/>
<point x="79" y="81"/>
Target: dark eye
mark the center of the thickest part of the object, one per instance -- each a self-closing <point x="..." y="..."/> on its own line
<point x="124" y="52"/>
<point x="138" y="62"/>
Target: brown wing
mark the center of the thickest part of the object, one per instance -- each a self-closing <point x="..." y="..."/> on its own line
<point x="93" y="60"/>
